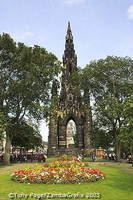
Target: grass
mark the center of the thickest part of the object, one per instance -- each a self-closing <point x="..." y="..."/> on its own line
<point x="118" y="184"/>
<point x="86" y="159"/>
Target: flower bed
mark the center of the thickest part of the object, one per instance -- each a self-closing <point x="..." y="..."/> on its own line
<point x="65" y="164"/>
<point x="63" y="171"/>
<point x="58" y="175"/>
<point x="67" y="161"/>
<point x="68" y="158"/>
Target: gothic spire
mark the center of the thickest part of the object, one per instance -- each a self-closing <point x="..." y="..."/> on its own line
<point x="69" y="35"/>
<point x="69" y="57"/>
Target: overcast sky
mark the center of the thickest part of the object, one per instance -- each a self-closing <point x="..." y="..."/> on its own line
<point x="100" y="27"/>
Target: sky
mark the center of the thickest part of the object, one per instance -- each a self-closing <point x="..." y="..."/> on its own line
<point x="100" y="27"/>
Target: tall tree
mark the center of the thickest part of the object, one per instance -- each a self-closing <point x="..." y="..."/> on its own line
<point x="110" y="83"/>
<point x="26" y="76"/>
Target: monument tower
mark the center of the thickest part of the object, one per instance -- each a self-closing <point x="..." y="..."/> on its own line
<point x="70" y="130"/>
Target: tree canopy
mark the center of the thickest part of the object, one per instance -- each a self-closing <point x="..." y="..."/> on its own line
<point x="26" y="76"/>
<point x="109" y="81"/>
<point x="26" y="136"/>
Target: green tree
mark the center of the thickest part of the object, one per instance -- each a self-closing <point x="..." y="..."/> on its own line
<point x="126" y="132"/>
<point x="26" y="136"/>
<point x="26" y="76"/>
<point x="110" y="83"/>
<point x="101" y="138"/>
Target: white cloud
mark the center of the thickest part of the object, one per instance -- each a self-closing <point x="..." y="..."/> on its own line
<point x="26" y="36"/>
<point x="23" y="36"/>
<point x="130" y="12"/>
<point x="71" y="2"/>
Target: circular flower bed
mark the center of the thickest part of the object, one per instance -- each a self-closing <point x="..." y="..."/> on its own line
<point x="58" y="175"/>
<point x="63" y="171"/>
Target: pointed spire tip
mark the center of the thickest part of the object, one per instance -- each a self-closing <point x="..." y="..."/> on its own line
<point x="69" y="32"/>
<point x="69" y="26"/>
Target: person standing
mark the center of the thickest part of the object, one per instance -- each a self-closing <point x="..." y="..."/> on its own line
<point x="93" y="157"/>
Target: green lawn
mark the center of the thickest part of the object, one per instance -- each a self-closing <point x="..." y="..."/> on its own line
<point x="118" y="184"/>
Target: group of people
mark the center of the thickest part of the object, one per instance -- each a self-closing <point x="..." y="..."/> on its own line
<point x="110" y="156"/>
<point x="24" y="158"/>
<point x="80" y="157"/>
<point x="40" y="157"/>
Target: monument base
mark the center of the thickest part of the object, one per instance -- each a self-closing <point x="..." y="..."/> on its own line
<point x="54" y="152"/>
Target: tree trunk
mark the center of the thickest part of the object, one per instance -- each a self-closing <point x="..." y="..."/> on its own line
<point x="6" y="157"/>
<point x="118" y="151"/>
<point x="131" y="151"/>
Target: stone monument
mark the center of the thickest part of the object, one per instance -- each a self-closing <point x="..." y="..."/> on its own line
<point x="71" y="112"/>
